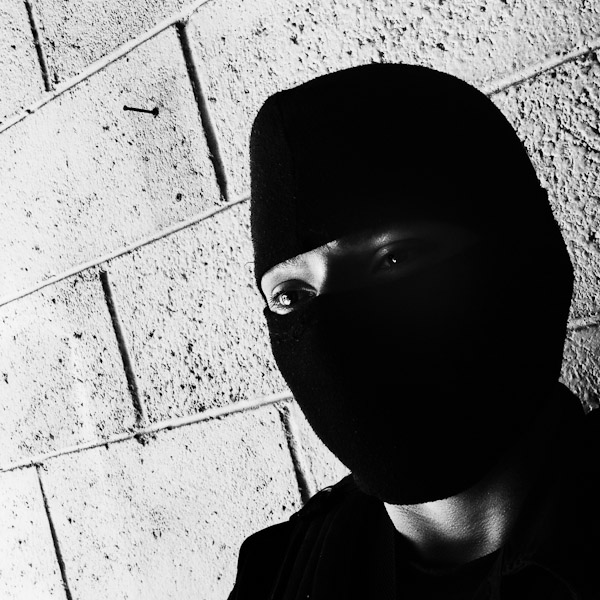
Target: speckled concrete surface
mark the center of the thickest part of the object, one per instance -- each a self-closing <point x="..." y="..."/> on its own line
<point x="558" y="116"/>
<point x="82" y="179"/>
<point x="20" y="72"/>
<point x="61" y="375"/>
<point x="82" y="176"/>
<point x="252" y="48"/>
<point x="165" y="521"/>
<point x="29" y="568"/>
<point x="75" y="35"/>
<point x="194" y="315"/>
<point x="581" y="366"/>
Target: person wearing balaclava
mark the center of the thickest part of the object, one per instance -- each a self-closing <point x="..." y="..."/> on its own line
<point x="437" y="384"/>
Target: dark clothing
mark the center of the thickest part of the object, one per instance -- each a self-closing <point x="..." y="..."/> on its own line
<point x="342" y="544"/>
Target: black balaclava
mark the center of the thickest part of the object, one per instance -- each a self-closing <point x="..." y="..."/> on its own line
<point x="419" y="385"/>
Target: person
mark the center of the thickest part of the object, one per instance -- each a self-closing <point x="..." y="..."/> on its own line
<point x="417" y="290"/>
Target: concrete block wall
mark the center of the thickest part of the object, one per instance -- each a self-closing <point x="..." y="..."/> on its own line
<point x="145" y="429"/>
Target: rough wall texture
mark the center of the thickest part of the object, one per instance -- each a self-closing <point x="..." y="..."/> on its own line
<point x="145" y="430"/>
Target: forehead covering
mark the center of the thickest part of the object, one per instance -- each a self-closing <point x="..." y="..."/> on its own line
<point x="365" y="145"/>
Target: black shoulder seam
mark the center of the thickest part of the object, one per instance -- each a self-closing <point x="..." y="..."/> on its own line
<point x="325" y="499"/>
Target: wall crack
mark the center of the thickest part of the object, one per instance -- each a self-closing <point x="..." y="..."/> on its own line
<point x="38" y="46"/>
<point x="303" y="478"/>
<point x="59" y="556"/>
<point x="210" y="131"/>
<point x="141" y="416"/>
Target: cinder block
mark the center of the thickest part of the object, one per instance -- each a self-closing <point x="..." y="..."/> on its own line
<point x="249" y="49"/>
<point x="20" y="73"/>
<point x="193" y="318"/>
<point x="556" y="114"/>
<point x="581" y="368"/>
<point x="75" y="35"/>
<point x="28" y="564"/>
<point x="82" y="177"/>
<point x="166" y="520"/>
<point x="324" y="467"/>
<point x="61" y="375"/>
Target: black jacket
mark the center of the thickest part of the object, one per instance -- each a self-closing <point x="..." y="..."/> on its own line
<point x="342" y="545"/>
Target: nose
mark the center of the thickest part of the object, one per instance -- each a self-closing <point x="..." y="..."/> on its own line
<point x="341" y="272"/>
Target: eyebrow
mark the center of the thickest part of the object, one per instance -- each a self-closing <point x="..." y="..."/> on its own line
<point x="294" y="261"/>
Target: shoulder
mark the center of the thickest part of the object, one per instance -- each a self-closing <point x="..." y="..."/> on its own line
<point x="263" y="555"/>
<point x="592" y="420"/>
<point x="587" y="441"/>
<point x="326" y="499"/>
<point x="588" y="453"/>
<point x="277" y="536"/>
<point x="579" y="490"/>
<point x="578" y="524"/>
<point x="579" y="429"/>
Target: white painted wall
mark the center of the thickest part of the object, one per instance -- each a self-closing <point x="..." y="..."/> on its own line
<point x="130" y="331"/>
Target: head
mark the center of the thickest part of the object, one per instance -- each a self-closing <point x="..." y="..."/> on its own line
<point x="402" y="243"/>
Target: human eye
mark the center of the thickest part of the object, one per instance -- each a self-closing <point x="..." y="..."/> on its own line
<point x="400" y="256"/>
<point x="286" y="298"/>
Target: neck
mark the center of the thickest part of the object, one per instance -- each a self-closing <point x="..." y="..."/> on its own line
<point x="479" y="520"/>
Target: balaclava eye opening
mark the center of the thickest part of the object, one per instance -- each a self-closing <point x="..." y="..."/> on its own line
<point x="420" y="385"/>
